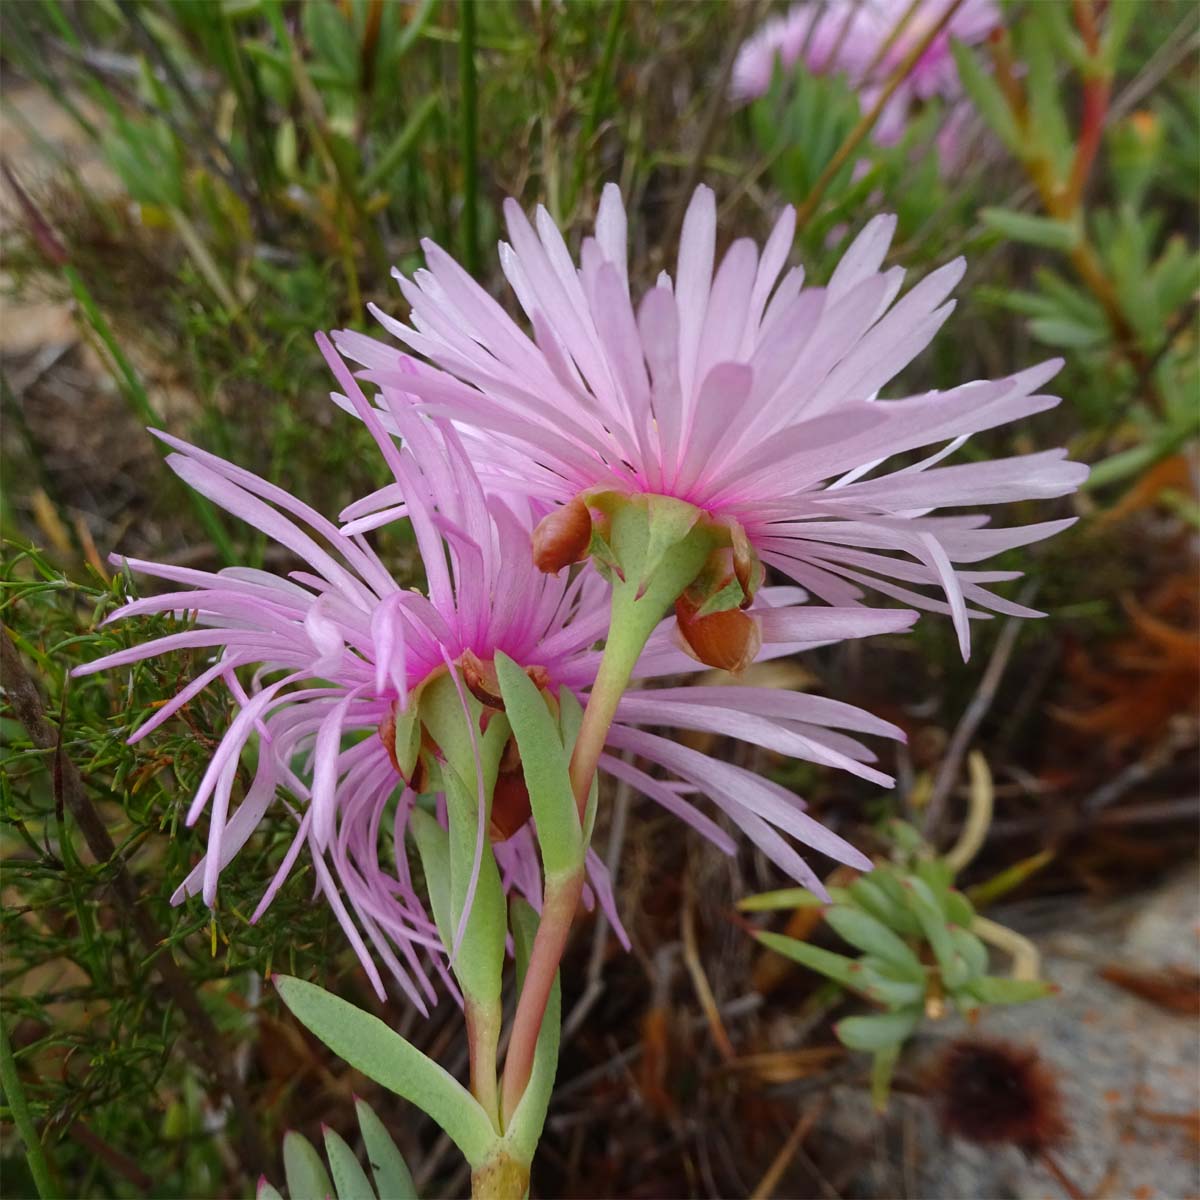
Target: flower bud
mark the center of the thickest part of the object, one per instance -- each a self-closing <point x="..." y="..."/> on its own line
<point x="510" y="805"/>
<point x="404" y="738"/>
<point x="727" y="640"/>
<point x="483" y="683"/>
<point x="562" y="537"/>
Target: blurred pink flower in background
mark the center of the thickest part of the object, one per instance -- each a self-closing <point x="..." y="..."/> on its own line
<point x="850" y="36"/>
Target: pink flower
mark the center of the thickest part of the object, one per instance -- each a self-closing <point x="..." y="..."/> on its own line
<point x="337" y="648"/>
<point x="748" y="395"/>
<point x="849" y="37"/>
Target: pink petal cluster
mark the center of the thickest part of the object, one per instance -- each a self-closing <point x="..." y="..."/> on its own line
<point x="737" y="388"/>
<point x="851" y="37"/>
<point x="318" y="660"/>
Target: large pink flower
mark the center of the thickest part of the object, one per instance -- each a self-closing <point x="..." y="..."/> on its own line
<point x="739" y="390"/>
<point x="320" y="661"/>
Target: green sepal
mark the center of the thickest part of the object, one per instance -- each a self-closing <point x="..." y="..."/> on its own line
<point x="546" y="765"/>
<point x="525" y="1127"/>
<point x="479" y="962"/>
<point x="365" y="1043"/>
<point x="433" y="848"/>
<point x="393" y="1180"/>
<point x="408" y="738"/>
<point x="349" y="1178"/>
<point x="303" y="1169"/>
<point x="570" y="719"/>
<point x="879" y="1031"/>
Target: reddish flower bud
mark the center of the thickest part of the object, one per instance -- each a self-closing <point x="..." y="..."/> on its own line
<point x="510" y="805"/>
<point x="562" y="537"/>
<point x="413" y="772"/>
<point x="484" y="684"/>
<point x="726" y="640"/>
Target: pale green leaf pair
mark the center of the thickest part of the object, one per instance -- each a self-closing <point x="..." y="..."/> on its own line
<point x="308" y="1179"/>
<point x="368" y="1045"/>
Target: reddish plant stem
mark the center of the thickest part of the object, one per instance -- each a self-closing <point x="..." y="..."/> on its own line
<point x="558" y="911"/>
<point x="1096" y="90"/>
<point x="1061" y="198"/>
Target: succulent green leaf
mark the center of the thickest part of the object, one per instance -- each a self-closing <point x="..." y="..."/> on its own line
<point x="988" y="97"/>
<point x="348" y="1177"/>
<point x="1048" y="232"/>
<point x="1008" y="879"/>
<point x="995" y="989"/>
<point x="525" y="1127"/>
<point x="266" y="1191"/>
<point x="393" y="156"/>
<point x="878" y="982"/>
<point x="958" y="907"/>
<point x="369" y="1046"/>
<point x="972" y="951"/>
<point x="906" y="836"/>
<point x="546" y="765"/>
<point x="879" y="894"/>
<point x="796" y="897"/>
<point x="833" y="966"/>
<point x="866" y="933"/>
<point x="306" y="1176"/>
<point x="938" y="876"/>
<point x="392" y="1178"/>
<point x="880" y="1031"/>
<point x="936" y="929"/>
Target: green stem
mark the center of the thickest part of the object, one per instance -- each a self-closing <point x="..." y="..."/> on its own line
<point x="633" y="621"/>
<point x="502" y="1177"/>
<point x="483" y="1039"/>
<point x="640" y="601"/>
<point x="14" y="1095"/>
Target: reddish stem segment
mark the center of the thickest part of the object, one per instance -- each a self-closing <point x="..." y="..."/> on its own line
<point x="558" y="911"/>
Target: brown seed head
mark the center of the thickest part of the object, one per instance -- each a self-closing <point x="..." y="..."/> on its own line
<point x="562" y="537"/>
<point x="994" y="1092"/>
<point x="726" y="640"/>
